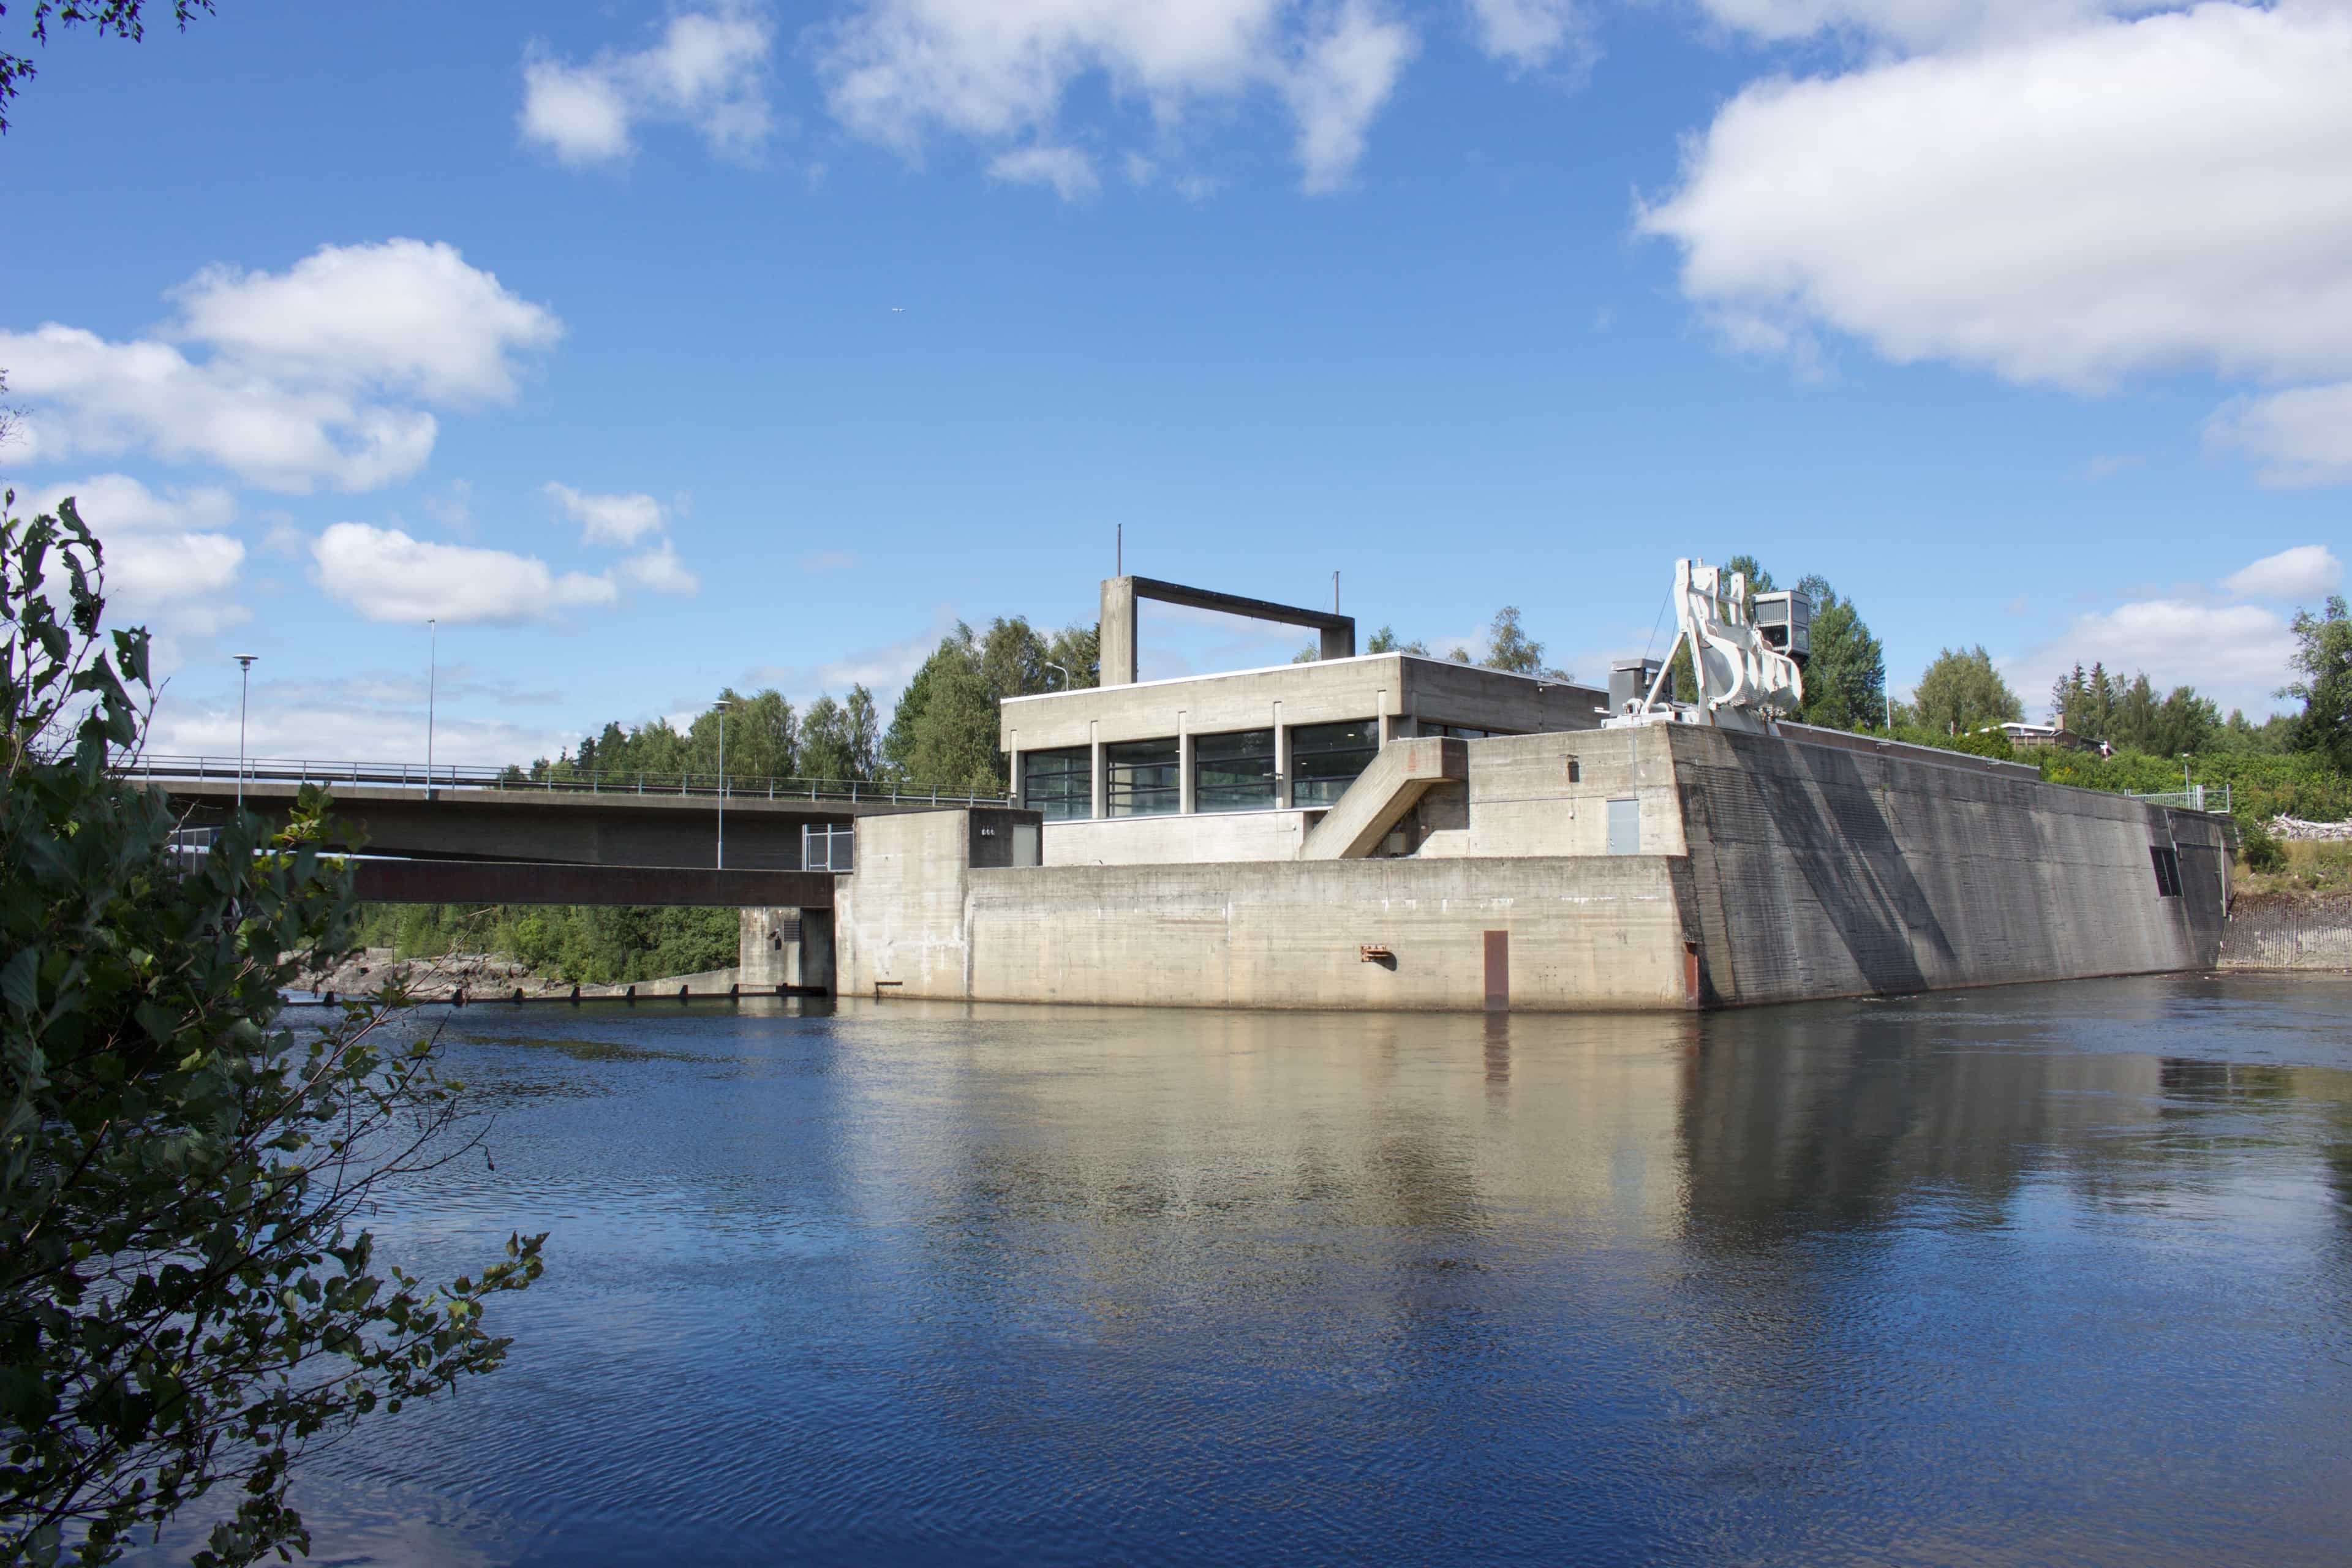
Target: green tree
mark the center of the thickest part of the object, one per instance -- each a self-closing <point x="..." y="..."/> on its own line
<point x="1846" y="676"/>
<point x="837" y="739"/>
<point x="118" y="18"/>
<point x="1508" y="646"/>
<point x="944" y="733"/>
<point x="187" y="1295"/>
<point x="1962" y="691"/>
<point x="2322" y="661"/>
<point x="1385" y="641"/>
<point x="763" y="737"/>
<point x="1078" y="650"/>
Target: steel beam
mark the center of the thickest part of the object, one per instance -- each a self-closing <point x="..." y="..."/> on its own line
<point x="525" y="882"/>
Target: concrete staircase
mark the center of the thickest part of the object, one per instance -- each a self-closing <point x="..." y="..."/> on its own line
<point x="1382" y="793"/>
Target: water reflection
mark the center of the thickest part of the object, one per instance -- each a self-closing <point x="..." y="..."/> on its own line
<point x="2041" y="1275"/>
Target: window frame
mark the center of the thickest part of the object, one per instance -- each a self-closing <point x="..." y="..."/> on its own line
<point x="1122" y="760"/>
<point x="1303" y="785"/>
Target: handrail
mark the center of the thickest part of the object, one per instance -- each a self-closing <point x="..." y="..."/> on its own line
<point x="569" y="780"/>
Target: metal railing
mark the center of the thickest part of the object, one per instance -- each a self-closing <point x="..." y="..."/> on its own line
<point x="566" y="780"/>
<point x="2193" y="798"/>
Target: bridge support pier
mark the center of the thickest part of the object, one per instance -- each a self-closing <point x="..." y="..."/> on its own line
<point x="783" y="945"/>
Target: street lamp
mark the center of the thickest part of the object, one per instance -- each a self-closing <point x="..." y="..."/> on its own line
<point x="1067" y="679"/>
<point x="432" y="678"/>
<point x="244" y="687"/>
<point x="724" y="703"/>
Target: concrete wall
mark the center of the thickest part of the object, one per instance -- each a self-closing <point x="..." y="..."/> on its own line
<point x="1824" y="873"/>
<point x="1587" y="933"/>
<point x="1549" y="795"/>
<point x="1792" y="870"/>
<point x="1156" y="840"/>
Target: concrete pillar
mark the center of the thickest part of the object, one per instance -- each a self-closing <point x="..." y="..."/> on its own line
<point x="1012" y="770"/>
<point x="1118" y="648"/>
<point x="1337" y="642"/>
<point x="768" y="947"/>
<point x="1097" y="785"/>
<point x="1281" y="761"/>
<point x="1185" y="801"/>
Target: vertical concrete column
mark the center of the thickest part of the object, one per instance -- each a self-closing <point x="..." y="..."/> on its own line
<point x="1386" y="729"/>
<point x="1337" y="642"/>
<point x="1281" y="761"/>
<point x="1097" y="785"/>
<point x="1117" y="648"/>
<point x="1012" y="770"/>
<point x="1185" y="801"/>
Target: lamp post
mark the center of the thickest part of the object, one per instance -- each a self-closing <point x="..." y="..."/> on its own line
<point x="244" y="688"/>
<point x="432" y="679"/>
<point x="724" y="704"/>
<point x="1067" y="681"/>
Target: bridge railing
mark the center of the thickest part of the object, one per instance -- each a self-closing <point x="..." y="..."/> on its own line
<point x="564" y="780"/>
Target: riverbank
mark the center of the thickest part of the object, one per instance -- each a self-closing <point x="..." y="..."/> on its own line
<point x="2288" y="931"/>
<point x="483" y="977"/>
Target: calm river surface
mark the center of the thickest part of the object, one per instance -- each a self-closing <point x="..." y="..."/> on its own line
<point x="2042" y="1275"/>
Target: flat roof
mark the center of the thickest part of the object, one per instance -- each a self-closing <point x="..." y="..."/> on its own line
<point x="1305" y="664"/>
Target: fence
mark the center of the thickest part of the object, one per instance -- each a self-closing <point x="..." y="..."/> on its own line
<point x="566" y="781"/>
<point x="2193" y="798"/>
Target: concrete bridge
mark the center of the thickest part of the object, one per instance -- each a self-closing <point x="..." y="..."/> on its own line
<point x="488" y="836"/>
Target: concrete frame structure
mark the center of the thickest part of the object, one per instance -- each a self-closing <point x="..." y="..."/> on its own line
<point x="1400" y="696"/>
<point x="1337" y="631"/>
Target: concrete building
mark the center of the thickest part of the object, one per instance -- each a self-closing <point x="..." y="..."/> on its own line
<point x="1388" y="831"/>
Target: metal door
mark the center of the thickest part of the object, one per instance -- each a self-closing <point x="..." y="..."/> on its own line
<point x="1625" y="827"/>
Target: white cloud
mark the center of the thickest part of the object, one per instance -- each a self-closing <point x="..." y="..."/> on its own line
<point x="313" y="375"/>
<point x="2235" y="654"/>
<point x="387" y="576"/>
<point x="2061" y="207"/>
<point x="115" y="504"/>
<point x="2300" y="437"/>
<point x="1067" y="170"/>
<point x="707" y="70"/>
<point x="608" y="518"/>
<point x="341" y="721"/>
<point x="167" y="567"/>
<point x="999" y="71"/>
<point x="1528" y="34"/>
<point x="2306" y="571"/>
<point x="1344" y="76"/>
<point x="660" y="571"/>
<point x="1916" y="23"/>
<point x="403" y="315"/>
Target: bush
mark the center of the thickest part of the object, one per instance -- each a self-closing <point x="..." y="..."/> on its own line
<point x="187" y="1295"/>
<point x="2258" y="848"/>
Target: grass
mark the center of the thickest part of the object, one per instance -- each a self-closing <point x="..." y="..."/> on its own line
<point x="2313" y="867"/>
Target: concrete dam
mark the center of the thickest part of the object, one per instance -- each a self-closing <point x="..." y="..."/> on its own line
<point x="1393" y="831"/>
<point x="1767" y="869"/>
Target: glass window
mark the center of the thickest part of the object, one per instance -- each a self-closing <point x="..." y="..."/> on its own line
<point x="1059" y="783"/>
<point x="1142" y="778"/>
<point x="1234" y="772"/>
<point x="1326" y="757"/>
<point x="1462" y="732"/>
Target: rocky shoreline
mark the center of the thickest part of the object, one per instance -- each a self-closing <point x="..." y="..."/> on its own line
<point x="484" y="976"/>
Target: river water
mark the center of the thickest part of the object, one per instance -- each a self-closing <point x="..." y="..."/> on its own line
<point x="2035" y="1274"/>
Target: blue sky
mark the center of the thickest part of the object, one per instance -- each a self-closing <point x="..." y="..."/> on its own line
<point x="657" y="348"/>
